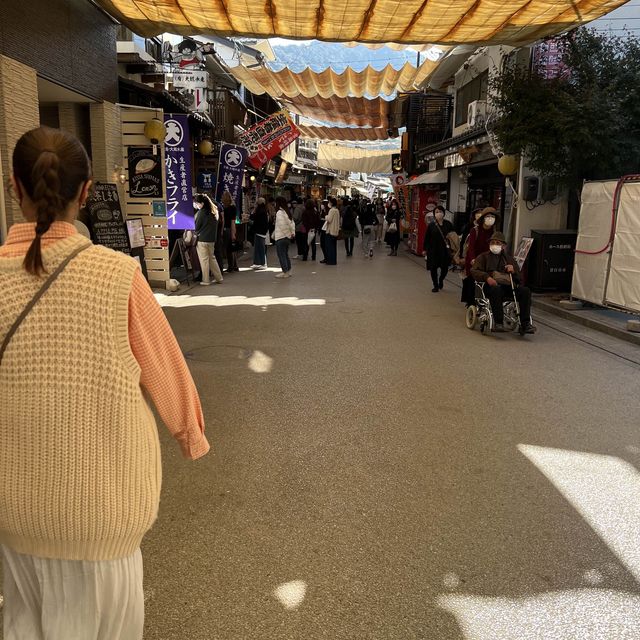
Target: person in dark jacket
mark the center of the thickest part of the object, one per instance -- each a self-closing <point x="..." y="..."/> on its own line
<point x="349" y="227"/>
<point x="260" y="219"/>
<point x="207" y="219"/>
<point x="368" y="222"/>
<point x="312" y="223"/>
<point x="392" y="237"/>
<point x="477" y="242"/>
<point x="493" y="267"/>
<point x="437" y="248"/>
<point x="230" y="215"/>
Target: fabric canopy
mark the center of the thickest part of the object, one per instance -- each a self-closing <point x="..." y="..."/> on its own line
<point x="431" y="177"/>
<point x="359" y="112"/>
<point x="329" y="83"/>
<point x="349" y="134"/>
<point x="342" y="158"/>
<point x="376" y="21"/>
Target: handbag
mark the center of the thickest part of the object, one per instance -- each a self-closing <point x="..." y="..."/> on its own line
<point x="392" y="228"/>
<point x="311" y="237"/>
<point x="447" y="244"/>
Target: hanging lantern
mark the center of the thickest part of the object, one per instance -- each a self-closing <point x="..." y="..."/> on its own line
<point x="155" y="132"/>
<point x="205" y="147"/>
<point x="508" y="165"/>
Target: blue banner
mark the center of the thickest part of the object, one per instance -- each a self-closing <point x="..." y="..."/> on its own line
<point x="231" y="172"/>
<point x="178" y="172"/>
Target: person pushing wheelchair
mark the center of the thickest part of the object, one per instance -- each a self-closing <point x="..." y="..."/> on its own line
<point x="497" y="269"/>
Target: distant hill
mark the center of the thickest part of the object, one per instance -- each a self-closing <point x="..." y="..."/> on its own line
<point x="322" y="55"/>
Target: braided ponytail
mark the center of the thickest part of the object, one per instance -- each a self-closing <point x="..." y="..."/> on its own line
<point x="51" y="166"/>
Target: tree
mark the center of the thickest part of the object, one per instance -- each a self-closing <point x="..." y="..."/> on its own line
<point x="583" y="125"/>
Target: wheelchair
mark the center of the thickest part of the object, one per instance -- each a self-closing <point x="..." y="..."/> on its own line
<point x="481" y="314"/>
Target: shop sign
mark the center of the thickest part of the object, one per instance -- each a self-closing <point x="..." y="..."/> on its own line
<point x="178" y="172"/>
<point x="269" y="137"/>
<point x="145" y="173"/>
<point x="453" y="160"/>
<point x="189" y="79"/>
<point x="159" y="208"/>
<point x="231" y="172"/>
<point x="400" y="190"/>
<point x="205" y="181"/>
<point x="107" y="222"/>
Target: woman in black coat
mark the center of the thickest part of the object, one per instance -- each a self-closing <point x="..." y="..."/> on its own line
<point x="436" y="248"/>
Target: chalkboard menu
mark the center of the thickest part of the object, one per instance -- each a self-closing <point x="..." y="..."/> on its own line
<point x="107" y="222"/>
<point x="145" y="173"/>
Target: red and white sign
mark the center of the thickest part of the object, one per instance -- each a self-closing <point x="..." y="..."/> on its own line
<point x="268" y="138"/>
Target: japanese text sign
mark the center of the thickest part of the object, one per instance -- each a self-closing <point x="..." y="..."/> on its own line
<point x="178" y="172"/>
<point x="107" y="222"/>
<point x="231" y="172"/>
<point x="269" y="137"/>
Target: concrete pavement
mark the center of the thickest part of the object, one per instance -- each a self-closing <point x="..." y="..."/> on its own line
<point x="383" y="474"/>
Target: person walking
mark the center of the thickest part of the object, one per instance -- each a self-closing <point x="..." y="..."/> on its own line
<point x="323" y="231"/>
<point x="437" y="249"/>
<point x="368" y="222"/>
<point x="80" y="466"/>
<point x="380" y="212"/>
<point x="392" y="237"/>
<point x="311" y="221"/>
<point x="207" y="219"/>
<point x="349" y="227"/>
<point x="260" y="219"/>
<point x="332" y="224"/>
<point x="301" y="231"/>
<point x="284" y="232"/>
<point x="230" y="215"/>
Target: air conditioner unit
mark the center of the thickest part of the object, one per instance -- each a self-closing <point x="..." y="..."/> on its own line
<point x="477" y="113"/>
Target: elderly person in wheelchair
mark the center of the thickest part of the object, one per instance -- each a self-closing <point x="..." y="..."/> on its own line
<point x="499" y="278"/>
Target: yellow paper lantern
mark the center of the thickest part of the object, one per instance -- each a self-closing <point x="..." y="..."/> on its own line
<point x="205" y="147"/>
<point x="154" y="131"/>
<point x="508" y="165"/>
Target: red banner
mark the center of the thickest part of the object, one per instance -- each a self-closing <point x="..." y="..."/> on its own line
<point x="268" y="138"/>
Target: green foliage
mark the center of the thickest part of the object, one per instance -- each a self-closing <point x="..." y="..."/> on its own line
<point x="584" y="125"/>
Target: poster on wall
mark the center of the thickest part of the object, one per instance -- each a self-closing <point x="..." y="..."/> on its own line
<point x="269" y="137"/>
<point x="178" y="172"/>
<point x="105" y="214"/>
<point x="145" y="173"/>
<point x="400" y="190"/>
<point x="231" y="172"/>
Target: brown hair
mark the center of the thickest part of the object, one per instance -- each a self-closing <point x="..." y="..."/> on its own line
<point x="227" y="200"/>
<point x="209" y="204"/>
<point x="51" y="166"/>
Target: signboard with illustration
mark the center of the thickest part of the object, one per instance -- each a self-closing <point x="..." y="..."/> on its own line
<point x="522" y="252"/>
<point x="107" y="222"/>
<point x="178" y="172"/>
<point x="192" y="84"/>
<point x="145" y="173"/>
<point x="268" y="138"/>
<point x="231" y="172"/>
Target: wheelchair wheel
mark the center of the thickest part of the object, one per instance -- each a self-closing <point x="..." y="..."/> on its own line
<point x="471" y="316"/>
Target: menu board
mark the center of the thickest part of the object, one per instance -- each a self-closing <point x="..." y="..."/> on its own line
<point x="107" y="222"/>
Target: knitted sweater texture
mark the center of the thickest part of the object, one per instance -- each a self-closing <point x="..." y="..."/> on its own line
<point x="80" y="470"/>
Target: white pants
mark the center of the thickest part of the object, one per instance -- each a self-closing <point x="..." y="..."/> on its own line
<point x="208" y="261"/>
<point x="368" y="238"/>
<point x="48" y="599"/>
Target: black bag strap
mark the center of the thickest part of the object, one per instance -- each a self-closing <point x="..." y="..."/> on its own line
<point x="43" y="289"/>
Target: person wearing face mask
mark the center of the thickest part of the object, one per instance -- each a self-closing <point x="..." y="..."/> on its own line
<point x="494" y="267"/>
<point x="437" y="248"/>
<point x="392" y="237"/>
<point x="468" y="286"/>
<point x="207" y="220"/>
<point x="480" y="235"/>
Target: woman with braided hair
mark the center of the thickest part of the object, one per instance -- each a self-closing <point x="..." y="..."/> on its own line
<point x="81" y="335"/>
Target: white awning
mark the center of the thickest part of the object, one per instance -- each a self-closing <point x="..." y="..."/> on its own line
<point x="431" y="177"/>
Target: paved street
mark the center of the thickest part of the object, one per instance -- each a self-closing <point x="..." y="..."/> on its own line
<point x="381" y="472"/>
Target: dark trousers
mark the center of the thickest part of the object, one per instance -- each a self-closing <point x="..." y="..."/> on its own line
<point x="394" y="241"/>
<point x="438" y="282"/>
<point x="282" y="248"/>
<point x="331" y="249"/>
<point x="232" y="265"/>
<point x="301" y="242"/>
<point x="323" y="244"/>
<point x="497" y="296"/>
<point x="348" y="245"/>
<point x="468" y="291"/>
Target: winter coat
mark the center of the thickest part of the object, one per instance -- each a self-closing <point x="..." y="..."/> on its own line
<point x="206" y="226"/>
<point x="260" y="218"/>
<point x="435" y="245"/>
<point x="333" y="222"/>
<point x="285" y="227"/>
<point x="486" y="263"/>
<point x="478" y="243"/>
<point x="311" y="220"/>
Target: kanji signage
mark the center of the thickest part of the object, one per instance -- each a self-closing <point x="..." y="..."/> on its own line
<point x="145" y="173"/>
<point x="231" y="172"/>
<point x="107" y="222"/>
<point x="178" y="172"/>
<point x="269" y="137"/>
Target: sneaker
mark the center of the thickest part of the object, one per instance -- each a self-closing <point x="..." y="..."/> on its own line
<point x="529" y="328"/>
<point x="288" y="274"/>
<point x="435" y="290"/>
<point x="205" y="284"/>
<point x="219" y="281"/>
<point x="282" y="275"/>
<point x="261" y="267"/>
<point x="498" y="327"/>
<point x="255" y="266"/>
<point x="370" y="253"/>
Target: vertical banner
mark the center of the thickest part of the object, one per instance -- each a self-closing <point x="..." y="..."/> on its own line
<point x="231" y="172"/>
<point x="178" y="172"/>
<point x="401" y="192"/>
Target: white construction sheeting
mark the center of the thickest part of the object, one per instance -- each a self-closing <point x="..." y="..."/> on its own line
<point x="431" y="177"/>
<point x="623" y="288"/>
<point x="608" y="276"/>
<point x="354" y="159"/>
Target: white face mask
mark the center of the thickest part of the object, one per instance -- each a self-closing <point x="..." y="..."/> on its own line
<point x="198" y="206"/>
<point x="496" y="248"/>
<point x="489" y="221"/>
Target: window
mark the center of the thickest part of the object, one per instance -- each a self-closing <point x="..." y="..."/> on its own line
<point x="474" y="90"/>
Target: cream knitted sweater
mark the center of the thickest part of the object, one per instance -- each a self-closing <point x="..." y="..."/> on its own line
<point x="80" y="466"/>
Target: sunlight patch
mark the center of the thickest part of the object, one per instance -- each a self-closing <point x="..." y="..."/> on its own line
<point x="178" y="302"/>
<point x="291" y="594"/>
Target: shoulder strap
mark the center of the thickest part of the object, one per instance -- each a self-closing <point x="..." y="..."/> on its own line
<point x="48" y="282"/>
